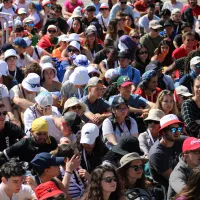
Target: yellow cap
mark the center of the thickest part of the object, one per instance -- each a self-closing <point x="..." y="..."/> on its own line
<point x="39" y="125"/>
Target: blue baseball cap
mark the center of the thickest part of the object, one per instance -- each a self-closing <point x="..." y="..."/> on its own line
<point x="44" y="160"/>
<point x="19" y="41"/>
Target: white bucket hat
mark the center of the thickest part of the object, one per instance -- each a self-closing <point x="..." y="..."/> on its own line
<point x="73" y="37"/>
<point x="22" y="11"/>
<point x="3" y="68"/>
<point x="32" y="82"/>
<point x="48" y="66"/>
<point x="109" y="73"/>
<point x="28" y="41"/>
<point x="45" y="59"/>
<point x="81" y="61"/>
<point x="63" y="38"/>
<point x="155" y="115"/>
<point x="9" y="53"/>
<point x="74" y="44"/>
<point x="79" y="76"/>
<point x="44" y="99"/>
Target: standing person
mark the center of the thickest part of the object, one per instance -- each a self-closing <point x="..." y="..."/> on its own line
<point x="164" y="154"/>
<point x="195" y="7"/>
<point x="190" y="111"/>
<point x="172" y="4"/>
<point x="152" y="39"/>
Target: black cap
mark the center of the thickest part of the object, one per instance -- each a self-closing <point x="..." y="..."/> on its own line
<point x="127" y="144"/>
<point x="90" y="8"/>
<point x="124" y="54"/>
<point x="118" y="100"/>
<point x="168" y="23"/>
<point x="114" y="79"/>
<point x="73" y="120"/>
<point x="165" y="12"/>
<point x="154" y="65"/>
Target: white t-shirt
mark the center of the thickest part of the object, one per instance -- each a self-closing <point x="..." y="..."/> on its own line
<point x="25" y="193"/>
<point x="10" y="10"/>
<point x="35" y="17"/>
<point x="107" y="128"/>
<point x="24" y="5"/>
<point x="170" y="6"/>
<point x="24" y="62"/>
<point x="103" y="21"/>
<point x="144" y="22"/>
<point x="34" y="56"/>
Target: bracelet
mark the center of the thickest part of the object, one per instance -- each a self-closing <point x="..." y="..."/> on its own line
<point x="66" y="172"/>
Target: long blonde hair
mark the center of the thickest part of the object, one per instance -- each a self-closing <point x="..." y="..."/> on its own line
<point x="160" y="99"/>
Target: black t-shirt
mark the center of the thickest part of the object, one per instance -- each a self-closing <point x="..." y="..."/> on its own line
<point x="27" y="148"/>
<point x="162" y="158"/>
<point x="10" y="135"/>
<point x="62" y="24"/>
<point x="19" y="76"/>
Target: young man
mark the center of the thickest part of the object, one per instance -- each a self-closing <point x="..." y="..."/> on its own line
<point x="195" y="7"/>
<point x="189" y="159"/>
<point x="176" y="18"/>
<point x="11" y="186"/>
<point x="164" y="154"/>
<point x="172" y="4"/>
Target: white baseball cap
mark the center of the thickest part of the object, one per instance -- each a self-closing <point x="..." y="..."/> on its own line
<point x="63" y="38"/>
<point x="74" y="37"/>
<point x="89" y="133"/>
<point x="44" y="99"/>
<point x="9" y="53"/>
<point x="22" y="11"/>
<point x="28" y="41"/>
<point x="182" y="90"/>
<point x="32" y="82"/>
<point x="52" y="26"/>
<point x="175" y="10"/>
<point x="195" y="60"/>
<point x="109" y="73"/>
<point x="3" y="68"/>
<point x="45" y="2"/>
<point x="104" y="5"/>
<point x="91" y="69"/>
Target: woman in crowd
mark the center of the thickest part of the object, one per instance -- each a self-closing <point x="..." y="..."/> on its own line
<point x="77" y="27"/>
<point x="104" y="184"/>
<point x="165" y="102"/>
<point x="130" y="22"/>
<point x="135" y="35"/>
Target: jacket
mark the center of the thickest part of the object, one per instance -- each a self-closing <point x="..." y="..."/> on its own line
<point x="178" y="178"/>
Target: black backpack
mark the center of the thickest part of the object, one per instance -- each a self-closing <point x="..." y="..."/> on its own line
<point x="137" y="194"/>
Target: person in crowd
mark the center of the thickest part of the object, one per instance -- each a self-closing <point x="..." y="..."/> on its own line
<point x="144" y="20"/>
<point x="189" y="160"/>
<point x="132" y="175"/>
<point x="181" y="93"/>
<point x="97" y="5"/>
<point x="168" y="32"/>
<point x="187" y="17"/>
<point x="48" y="41"/>
<point x="163" y="53"/>
<point x="22" y="95"/>
<point x="119" y="124"/>
<point x="176" y="18"/>
<point x="47" y="190"/>
<point x="11" y="57"/>
<point x="164" y="154"/>
<point x="165" y="102"/>
<point x="125" y="69"/>
<point x="152" y="39"/>
<point x="121" y="6"/>
<point x="135" y="35"/>
<point x="93" y="71"/>
<point x="165" y="15"/>
<point x="172" y="4"/>
<point x="104" y="184"/>
<point x="27" y="148"/>
<point x="97" y="109"/>
<point x="149" y="137"/>
<point x="148" y="86"/>
<point x="191" y="189"/>
<point x="12" y="186"/>
<point x="9" y="8"/>
<point x="141" y="58"/>
<point x="77" y="26"/>
<point x="188" y="45"/>
<point x="189" y="111"/>
<point x="188" y="79"/>
<point x="195" y="7"/>
<point x="42" y="107"/>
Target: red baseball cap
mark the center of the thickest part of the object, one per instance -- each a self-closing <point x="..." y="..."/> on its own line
<point x="124" y="81"/>
<point x="190" y="144"/>
<point x="46" y="190"/>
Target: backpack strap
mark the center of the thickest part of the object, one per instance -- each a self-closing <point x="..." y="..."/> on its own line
<point x="36" y="51"/>
<point x="133" y="74"/>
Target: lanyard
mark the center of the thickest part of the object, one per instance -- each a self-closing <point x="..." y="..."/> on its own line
<point x="84" y="157"/>
<point x="151" y="138"/>
<point x="79" y="93"/>
<point x="14" y="74"/>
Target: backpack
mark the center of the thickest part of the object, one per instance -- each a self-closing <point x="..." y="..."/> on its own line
<point x="137" y="194"/>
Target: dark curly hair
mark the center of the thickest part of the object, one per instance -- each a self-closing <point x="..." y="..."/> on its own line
<point x="94" y="190"/>
<point x="33" y="68"/>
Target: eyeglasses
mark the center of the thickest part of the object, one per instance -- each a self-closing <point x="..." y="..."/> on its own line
<point x="110" y="179"/>
<point x="78" y="107"/>
<point x="4" y="113"/>
<point x="30" y="25"/>
<point x="137" y="167"/>
<point x="72" y="50"/>
<point x="173" y="129"/>
<point x="152" y="121"/>
<point x="122" y="109"/>
<point x="143" y="52"/>
<point x="52" y="31"/>
<point x="49" y="5"/>
<point x="34" y="85"/>
<point x="123" y="2"/>
<point x="156" y="30"/>
<point x="136" y="37"/>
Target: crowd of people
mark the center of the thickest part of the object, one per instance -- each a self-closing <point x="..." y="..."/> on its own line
<point x="100" y="101"/>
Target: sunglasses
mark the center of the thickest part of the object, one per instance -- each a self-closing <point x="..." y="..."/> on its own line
<point x="136" y="37"/>
<point x="137" y="167"/>
<point x="76" y="107"/>
<point x="101" y="9"/>
<point x="198" y="66"/>
<point x="173" y="129"/>
<point x="34" y="85"/>
<point x="152" y="121"/>
<point x="123" y="2"/>
<point x="49" y="5"/>
<point x="156" y="30"/>
<point x="110" y="179"/>
<point x="52" y="31"/>
<point x="30" y="25"/>
<point x="143" y="52"/>
<point x="72" y="50"/>
<point x="4" y="113"/>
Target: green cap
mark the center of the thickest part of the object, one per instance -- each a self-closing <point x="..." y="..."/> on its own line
<point x="123" y="81"/>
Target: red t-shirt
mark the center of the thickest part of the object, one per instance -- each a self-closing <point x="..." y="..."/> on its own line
<point x="140" y="6"/>
<point x="179" y="53"/>
<point x="151" y="98"/>
<point x="195" y="11"/>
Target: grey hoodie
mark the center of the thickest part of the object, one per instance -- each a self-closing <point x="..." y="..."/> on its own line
<point x="178" y="178"/>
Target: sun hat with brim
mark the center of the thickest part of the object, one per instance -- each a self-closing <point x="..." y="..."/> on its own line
<point x="191" y="144"/>
<point x="72" y="102"/>
<point x="79" y="76"/>
<point x="3" y="68"/>
<point x="10" y="53"/>
<point x="73" y="37"/>
<point x="182" y="90"/>
<point x="32" y="82"/>
<point x="124" y="81"/>
<point x="47" y="190"/>
<point x="22" y="11"/>
<point x="127" y="144"/>
<point x="155" y="114"/>
<point x="131" y="157"/>
<point x="48" y="66"/>
<point x="74" y="44"/>
<point x="63" y="38"/>
<point x="81" y="60"/>
<point x="28" y="41"/>
<point x="168" y="120"/>
<point x="44" y="99"/>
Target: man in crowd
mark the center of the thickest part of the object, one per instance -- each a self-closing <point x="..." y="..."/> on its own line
<point x="176" y="18"/>
<point x="195" y="7"/>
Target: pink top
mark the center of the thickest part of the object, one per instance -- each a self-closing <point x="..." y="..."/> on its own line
<point x="71" y="7"/>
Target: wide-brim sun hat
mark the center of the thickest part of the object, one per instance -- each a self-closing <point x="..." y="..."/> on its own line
<point x="32" y="82"/>
<point x="10" y="53"/>
<point x="155" y="114"/>
<point x="74" y="44"/>
<point x="48" y="66"/>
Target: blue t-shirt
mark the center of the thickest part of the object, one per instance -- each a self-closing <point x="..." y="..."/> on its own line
<point x="132" y="73"/>
<point x="135" y="101"/>
<point x="97" y="8"/>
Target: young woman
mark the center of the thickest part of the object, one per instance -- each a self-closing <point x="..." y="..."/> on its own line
<point x="141" y="58"/>
<point x="48" y="74"/>
<point x="77" y="27"/>
<point x="119" y="124"/>
<point x="191" y="190"/>
<point x="131" y="173"/>
<point x="135" y="35"/>
<point x="129" y="21"/>
<point x="165" y="102"/>
<point x="104" y="184"/>
<point x="163" y="53"/>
